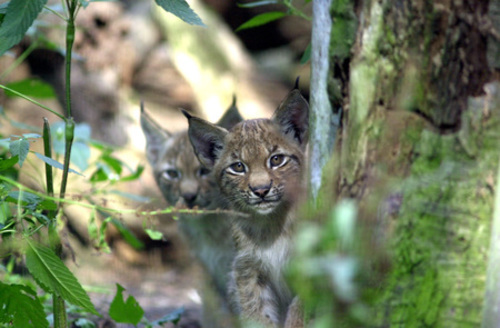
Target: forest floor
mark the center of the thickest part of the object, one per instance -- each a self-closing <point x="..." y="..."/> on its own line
<point x="158" y="288"/>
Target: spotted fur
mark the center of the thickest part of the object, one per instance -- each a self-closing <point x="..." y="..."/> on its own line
<point x="185" y="182"/>
<point x="258" y="166"/>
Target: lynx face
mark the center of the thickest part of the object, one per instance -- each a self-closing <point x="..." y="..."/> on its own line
<point x="258" y="164"/>
<point x="181" y="178"/>
<point x="259" y="167"/>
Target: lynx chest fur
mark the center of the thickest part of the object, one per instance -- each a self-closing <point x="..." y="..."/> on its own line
<point x="258" y="166"/>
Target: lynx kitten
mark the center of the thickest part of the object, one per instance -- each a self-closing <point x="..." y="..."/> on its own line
<point x="184" y="181"/>
<point x="258" y="166"/>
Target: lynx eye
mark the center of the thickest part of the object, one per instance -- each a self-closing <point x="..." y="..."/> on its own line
<point x="203" y="171"/>
<point x="277" y="161"/>
<point x="237" y="168"/>
<point x="172" y="174"/>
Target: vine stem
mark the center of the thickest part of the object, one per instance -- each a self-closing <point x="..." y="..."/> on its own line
<point x="60" y="317"/>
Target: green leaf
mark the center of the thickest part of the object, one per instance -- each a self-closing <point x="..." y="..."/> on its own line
<point x="135" y="175"/>
<point x="125" y="312"/>
<point x="20" y="148"/>
<point x="306" y="56"/>
<point x="21" y="307"/>
<point x="80" y="152"/>
<point x="54" y="277"/>
<point x="8" y="163"/>
<point x="261" y="19"/>
<point x="32" y="87"/>
<point x="54" y="163"/>
<point x="114" y="163"/>
<point x="127" y="234"/>
<point x="80" y="155"/>
<point x="18" y="18"/>
<point x="173" y="317"/>
<point x="257" y="3"/>
<point x="181" y="9"/>
<point x="153" y="234"/>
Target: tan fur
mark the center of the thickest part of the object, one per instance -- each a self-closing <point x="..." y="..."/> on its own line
<point x="258" y="166"/>
<point x="184" y="181"/>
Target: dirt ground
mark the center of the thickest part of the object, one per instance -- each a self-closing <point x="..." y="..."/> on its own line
<point x="158" y="288"/>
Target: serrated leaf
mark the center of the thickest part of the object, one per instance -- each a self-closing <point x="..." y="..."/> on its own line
<point x="261" y="20"/>
<point x="181" y="9"/>
<point x="54" y="163"/>
<point x="153" y="234"/>
<point x="31" y="87"/>
<point x="19" y="16"/>
<point x="21" y="307"/>
<point x="20" y="148"/>
<point x="8" y="163"/>
<point x="54" y="277"/>
<point x="125" y="312"/>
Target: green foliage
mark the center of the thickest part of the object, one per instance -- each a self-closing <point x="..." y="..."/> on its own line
<point x="261" y="19"/>
<point x="20" y="148"/>
<point x="80" y="152"/>
<point x="54" y="277"/>
<point x="31" y="87"/>
<point x="181" y="9"/>
<point x="19" y="16"/>
<point x="326" y="269"/>
<point x="128" y="311"/>
<point x="21" y="307"/>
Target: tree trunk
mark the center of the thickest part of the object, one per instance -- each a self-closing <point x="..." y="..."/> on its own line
<point x="419" y="151"/>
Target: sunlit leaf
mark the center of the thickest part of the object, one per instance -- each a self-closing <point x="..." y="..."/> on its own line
<point x="261" y="19"/>
<point x="153" y="234"/>
<point x="181" y="9"/>
<point x="128" y="311"/>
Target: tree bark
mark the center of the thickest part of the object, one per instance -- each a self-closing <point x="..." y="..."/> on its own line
<point x="419" y="151"/>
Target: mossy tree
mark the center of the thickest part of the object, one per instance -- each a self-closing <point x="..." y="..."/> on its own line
<point x="418" y="149"/>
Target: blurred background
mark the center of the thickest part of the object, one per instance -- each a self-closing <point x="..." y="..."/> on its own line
<point x="131" y="51"/>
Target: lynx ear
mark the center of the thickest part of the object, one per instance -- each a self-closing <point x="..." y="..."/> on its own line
<point x="155" y="136"/>
<point x="292" y="116"/>
<point x="207" y="139"/>
<point x="231" y="117"/>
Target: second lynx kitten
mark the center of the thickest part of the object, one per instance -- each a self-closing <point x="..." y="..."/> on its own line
<point x="182" y="179"/>
<point x="258" y="165"/>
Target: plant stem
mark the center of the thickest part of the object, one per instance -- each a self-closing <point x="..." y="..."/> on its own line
<point x="31" y="100"/>
<point x="60" y="319"/>
<point x="48" y="153"/>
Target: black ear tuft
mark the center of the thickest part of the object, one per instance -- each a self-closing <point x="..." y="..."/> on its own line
<point x="231" y="117"/>
<point x="297" y="83"/>
<point x="293" y="117"/>
<point x="188" y="116"/>
<point x="207" y="140"/>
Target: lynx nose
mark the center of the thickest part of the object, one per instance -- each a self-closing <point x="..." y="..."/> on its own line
<point x="261" y="191"/>
<point x="189" y="198"/>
